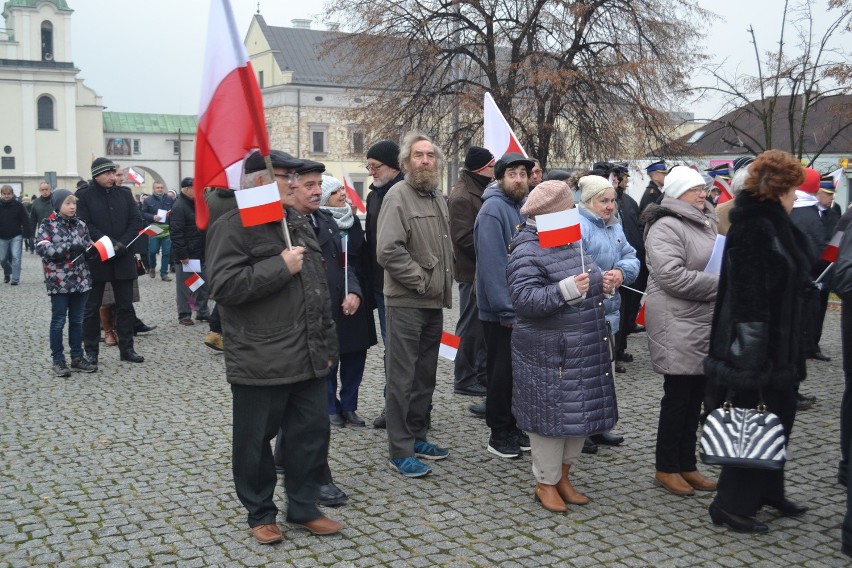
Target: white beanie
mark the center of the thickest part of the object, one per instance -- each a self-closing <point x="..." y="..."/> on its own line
<point x="681" y="179"/>
<point x="330" y="185"/>
<point x="592" y="186"/>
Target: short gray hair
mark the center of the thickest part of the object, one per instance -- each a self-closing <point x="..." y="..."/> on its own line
<point x="410" y="140"/>
<point x="739" y="180"/>
<point x="248" y="180"/>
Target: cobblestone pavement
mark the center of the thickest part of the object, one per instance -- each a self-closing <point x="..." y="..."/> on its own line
<point x="131" y="467"/>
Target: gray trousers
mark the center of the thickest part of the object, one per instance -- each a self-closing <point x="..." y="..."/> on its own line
<point x="470" y="359"/>
<point x="413" y="339"/>
<point x="183" y="294"/>
<point x="548" y="455"/>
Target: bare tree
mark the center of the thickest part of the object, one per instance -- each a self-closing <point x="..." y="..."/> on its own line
<point x="796" y="100"/>
<point x="567" y="75"/>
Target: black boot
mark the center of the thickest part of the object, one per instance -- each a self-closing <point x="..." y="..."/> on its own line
<point x="132" y="356"/>
<point x="737" y="522"/>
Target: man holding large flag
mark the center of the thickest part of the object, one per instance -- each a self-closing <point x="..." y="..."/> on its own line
<point x="280" y="342"/>
<point x="111" y="212"/>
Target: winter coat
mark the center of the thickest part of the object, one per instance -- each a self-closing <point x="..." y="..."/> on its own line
<point x="356" y="332"/>
<point x="40" y="208"/>
<point x="652" y="194"/>
<point x="413" y="245"/>
<point x="219" y="202"/>
<point x="496" y="225"/>
<point x="375" y="272"/>
<point x="13" y="220"/>
<point x="149" y="210"/>
<point x="464" y="204"/>
<point x="187" y="239"/>
<point x="608" y="247"/>
<point x="756" y="338"/>
<point x="561" y="367"/>
<point x="59" y="241"/>
<point x="112" y="213"/>
<point x="723" y="211"/>
<point x="679" y="240"/>
<point x="628" y="216"/>
<point x="277" y="326"/>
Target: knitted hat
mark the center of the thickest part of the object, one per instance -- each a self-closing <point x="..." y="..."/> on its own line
<point x="477" y="158"/>
<point x="548" y="197"/>
<point x="742" y="162"/>
<point x="592" y="186"/>
<point x="811" y="183"/>
<point x="57" y="198"/>
<point x="511" y="159"/>
<point x="386" y="152"/>
<point x="279" y="159"/>
<point x="680" y="179"/>
<point x="101" y="165"/>
<point x="330" y="186"/>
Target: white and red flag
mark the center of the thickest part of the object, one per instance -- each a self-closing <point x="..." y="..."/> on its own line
<point x="135" y="176"/>
<point x="640" y="317"/>
<point x="230" y="116"/>
<point x="351" y="194"/>
<point x="560" y="228"/>
<point x="725" y="191"/>
<point x="194" y="282"/>
<point x="499" y="137"/>
<point x="449" y="345"/>
<point x="830" y="252"/>
<point x="151" y="231"/>
<point x="105" y="248"/>
<point x="259" y="205"/>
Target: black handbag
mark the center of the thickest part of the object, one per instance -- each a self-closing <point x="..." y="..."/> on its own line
<point x="140" y="268"/>
<point x="751" y="438"/>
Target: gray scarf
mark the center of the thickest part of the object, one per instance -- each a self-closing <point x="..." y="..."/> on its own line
<point x="342" y="216"/>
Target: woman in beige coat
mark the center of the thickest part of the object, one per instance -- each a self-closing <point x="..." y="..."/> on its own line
<point x="679" y="236"/>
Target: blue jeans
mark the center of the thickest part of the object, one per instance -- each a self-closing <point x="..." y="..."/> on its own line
<point x="154" y="246"/>
<point x="73" y="305"/>
<point x="12" y="247"/>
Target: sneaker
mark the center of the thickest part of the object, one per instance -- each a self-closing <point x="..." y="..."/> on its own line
<point x="166" y="278"/>
<point x="60" y="369"/>
<point x="82" y="365"/>
<point x="214" y="341"/>
<point x="410" y="466"/>
<point x="523" y="440"/>
<point x="429" y="451"/>
<point x="152" y="272"/>
<point x="380" y="421"/>
<point x="506" y="447"/>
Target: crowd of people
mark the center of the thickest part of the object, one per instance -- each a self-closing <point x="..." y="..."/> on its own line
<point x="543" y="328"/>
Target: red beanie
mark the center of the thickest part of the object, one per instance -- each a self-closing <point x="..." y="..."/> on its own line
<point x="811" y="183"/>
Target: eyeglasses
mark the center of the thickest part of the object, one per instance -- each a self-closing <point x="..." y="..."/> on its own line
<point x="291" y="178"/>
<point x="372" y="168"/>
<point x="699" y="190"/>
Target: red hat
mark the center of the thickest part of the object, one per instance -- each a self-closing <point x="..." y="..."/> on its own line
<point x="811" y="183"/>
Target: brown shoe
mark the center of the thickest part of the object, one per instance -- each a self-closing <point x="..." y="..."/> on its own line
<point x="110" y="338"/>
<point x="698" y="481"/>
<point x="322" y="525"/>
<point x="549" y="498"/>
<point x="267" y="534"/>
<point x="214" y="341"/>
<point x="567" y="491"/>
<point x="673" y="483"/>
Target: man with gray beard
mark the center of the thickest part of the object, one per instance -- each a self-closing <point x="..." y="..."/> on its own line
<point x="496" y="223"/>
<point x="414" y="248"/>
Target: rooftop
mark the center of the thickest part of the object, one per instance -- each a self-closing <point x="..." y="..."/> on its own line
<point x="145" y="123"/>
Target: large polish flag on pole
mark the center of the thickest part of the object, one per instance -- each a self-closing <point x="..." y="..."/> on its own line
<point x="351" y="193"/>
<point x="230" y="115"/>
<point x="499" y="137"/>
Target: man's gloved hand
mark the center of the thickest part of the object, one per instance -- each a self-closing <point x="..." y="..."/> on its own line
<point x="118" y="247"/>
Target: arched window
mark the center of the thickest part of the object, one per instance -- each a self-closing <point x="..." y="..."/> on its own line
<point x="46" y="41"/>
<point x="45" y="113"/>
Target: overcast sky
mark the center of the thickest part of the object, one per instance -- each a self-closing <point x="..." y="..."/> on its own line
<point x="146" y="55"/>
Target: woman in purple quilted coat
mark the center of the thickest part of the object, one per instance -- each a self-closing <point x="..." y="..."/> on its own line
<point x="563" y="385"/>
<point x="62" y="239"/>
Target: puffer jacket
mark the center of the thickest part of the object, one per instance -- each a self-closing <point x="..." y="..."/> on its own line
<point x="60" y="241"/>
<point x="496" y="225"/>
<point x="608" y="247"/>
<point x="277" y="326"/>
<point x="563" y="385"/>
<point x="413" y="245"/>
<point x="679" y="240"/>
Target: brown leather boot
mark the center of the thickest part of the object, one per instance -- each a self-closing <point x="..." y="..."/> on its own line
<point x="698" y="481"/>
<point x="110" y="338"/>
<point x="549" y="498"/>
<point x="673" y="483"/>
<point x="567" y="491"/>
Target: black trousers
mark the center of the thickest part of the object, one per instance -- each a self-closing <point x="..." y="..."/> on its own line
<point x="470" y="359"/>
<point x="677" y="430"/>
<point x="215" y="320"/>
<point x="631" y="302"/>
<point x="281" y="459"/>
<point x="125" y="316"/>
<point x="846" y="401"/>
<point x="259" y="413"/>
<point x="498" y="367"/>
<point x="743" y="491"/>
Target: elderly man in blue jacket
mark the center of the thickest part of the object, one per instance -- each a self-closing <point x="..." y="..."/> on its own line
<point x="496" y="223"/>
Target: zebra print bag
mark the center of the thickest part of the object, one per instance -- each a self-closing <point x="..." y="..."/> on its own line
<point x="743" y="437"/>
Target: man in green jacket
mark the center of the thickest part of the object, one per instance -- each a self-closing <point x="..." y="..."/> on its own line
<point x="280" y="341"/>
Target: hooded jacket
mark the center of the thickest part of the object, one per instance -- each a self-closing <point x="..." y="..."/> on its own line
<point x="60" y="241"/>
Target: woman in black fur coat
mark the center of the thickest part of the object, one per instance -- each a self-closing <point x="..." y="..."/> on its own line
<point x="756" y="343"/>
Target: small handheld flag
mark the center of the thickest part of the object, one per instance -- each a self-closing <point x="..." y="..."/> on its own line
<point x="351" y="194"/>
<point x="105" y="248"/>
<point x="259" y="205"/>
<point x="560" y="228"/>
<point x="194" y="282"/>
<point x="449" y="345"/>
<point x="830" y="252"/>
<point x="151" y="230"/>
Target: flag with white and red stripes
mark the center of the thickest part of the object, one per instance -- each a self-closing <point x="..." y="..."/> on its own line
<point x="351" y="194"/>
<point x="151" y="230"/>
<point x="259" y="205"/>
<point x="194" y="282"/>
<point x="557" y="229"/>
<point x="449" y="345"/>
<point x="830" y="252"/>
<point x="499" y="137"/>
<point x="105" y="248"/>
